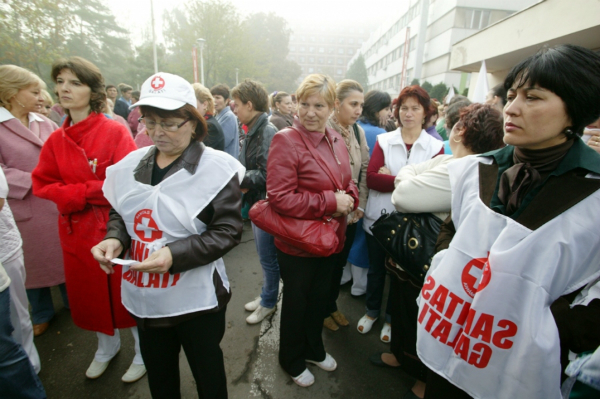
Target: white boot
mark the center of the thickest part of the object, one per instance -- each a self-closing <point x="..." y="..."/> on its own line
<point x="259" y="314"/>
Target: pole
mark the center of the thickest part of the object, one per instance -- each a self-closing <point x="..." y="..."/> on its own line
<point x="153" y="37"/>
<point x="237" y="70"/>
<point x="195" y="63"/>
<point x="202" y="63"/>
<point x="405" y="59"/>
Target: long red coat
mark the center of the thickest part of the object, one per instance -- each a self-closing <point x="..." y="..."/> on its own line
<point x="20" y="149"/>
<point x="65" y="177"/>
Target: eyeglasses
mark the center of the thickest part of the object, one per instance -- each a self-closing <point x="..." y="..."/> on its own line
<point x="165" y="126"/>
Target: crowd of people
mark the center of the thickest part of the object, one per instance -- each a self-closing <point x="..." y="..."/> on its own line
<point x="128" y="204"/>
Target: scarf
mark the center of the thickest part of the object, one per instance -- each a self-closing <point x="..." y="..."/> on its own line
<point x="530" y="169"/>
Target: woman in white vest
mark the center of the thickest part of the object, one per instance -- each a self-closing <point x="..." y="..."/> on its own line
<point x="409" y="144"/>
<point x="176" y="212"/>
<point x="496" y="311"/>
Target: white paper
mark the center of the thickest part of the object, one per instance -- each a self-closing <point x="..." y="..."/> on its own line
<point x="124" y="262"/>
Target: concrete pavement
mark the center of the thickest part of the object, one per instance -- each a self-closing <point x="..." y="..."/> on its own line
<point x="250" y="352"/>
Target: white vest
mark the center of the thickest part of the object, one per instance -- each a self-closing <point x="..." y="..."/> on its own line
<point x="395" y="155"/>
<point x="156" y="216"/>
<point x="484" y="311"/>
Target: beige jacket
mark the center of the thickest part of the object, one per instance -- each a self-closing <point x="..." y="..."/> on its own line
<point x="359" y="160"/>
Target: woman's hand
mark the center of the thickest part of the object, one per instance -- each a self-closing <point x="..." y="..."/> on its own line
<point x="384" y="171"/>
<point x="594" y="141"/>
<point x="356" y="216"/>
<point x="159" y="262"/>
<point x="345" y="204"/>
<point x="105" y="251"/>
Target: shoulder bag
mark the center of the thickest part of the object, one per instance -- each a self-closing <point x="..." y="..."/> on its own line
<point x="409" y="239"/>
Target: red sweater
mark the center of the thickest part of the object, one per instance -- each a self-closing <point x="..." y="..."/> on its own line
<point x="380" y="182"/>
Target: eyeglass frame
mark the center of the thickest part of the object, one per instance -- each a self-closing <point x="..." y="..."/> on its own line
<point x="162" y="125"/>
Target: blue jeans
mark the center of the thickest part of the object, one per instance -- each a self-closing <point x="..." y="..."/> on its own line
<point x="42" y="307"/>
<point x="17" y="377"/>
<point x="376" y="280"/>
<point x="265" y="246"/>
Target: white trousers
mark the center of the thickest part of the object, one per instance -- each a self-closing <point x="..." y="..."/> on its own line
<point x="108" y="346"/>
<point x="358" y="275"/>
<point x="19" y="308"/>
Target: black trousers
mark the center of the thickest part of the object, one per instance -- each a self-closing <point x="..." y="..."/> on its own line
<point x="340" y="261"/>
<point x="440" y="388"/>
<point x="403" y="308"/>
<point x="306" y="283"/>
<point x="200" y="338"/>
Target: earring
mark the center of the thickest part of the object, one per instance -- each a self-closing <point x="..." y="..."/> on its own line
<point x="568" y="132"/>
<point x="456" y="141"/>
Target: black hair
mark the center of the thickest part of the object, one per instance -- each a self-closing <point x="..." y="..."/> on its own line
<point x="500" y="92"/>
<point x="572" y="73"/>
<point x="453" y="113"/>
<point x="375" y="101"/>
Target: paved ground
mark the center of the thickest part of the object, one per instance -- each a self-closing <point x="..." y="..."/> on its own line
<point x="250" y="352"/>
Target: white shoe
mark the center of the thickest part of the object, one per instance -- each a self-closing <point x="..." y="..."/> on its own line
<point x="253" y="305"/>
<point x="305" y="379"/>
<point x="134" y="373"/>
<point x="386" y="333"/>
<point x="365" y="324"/>
<point x="329" y="364"/>
<point x="259" y="314"/>
<point x="96" y="369"/>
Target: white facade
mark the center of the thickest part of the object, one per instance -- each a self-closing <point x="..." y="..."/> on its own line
<point x="448" y="22"/>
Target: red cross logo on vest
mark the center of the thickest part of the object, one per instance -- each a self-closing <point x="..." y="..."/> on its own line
<point x="157" y="83"/>
<point x="145" y="227"/>
<point x="476" y="276"/>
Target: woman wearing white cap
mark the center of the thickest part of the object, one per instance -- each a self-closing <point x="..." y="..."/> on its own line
<point x="176" y="212"/>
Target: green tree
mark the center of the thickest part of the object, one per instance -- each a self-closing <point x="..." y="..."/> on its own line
<point x="414" y="82"/>
<point x="439" y="91"/>
<point x="427" y="87"/>
<point x="358" y="71"/>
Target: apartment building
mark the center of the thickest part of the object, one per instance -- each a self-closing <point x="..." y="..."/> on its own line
<point x="428" y="29"/>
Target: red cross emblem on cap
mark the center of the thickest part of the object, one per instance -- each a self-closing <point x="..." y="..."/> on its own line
<point x="145" y="227"/>
<point x="157" y="83"/>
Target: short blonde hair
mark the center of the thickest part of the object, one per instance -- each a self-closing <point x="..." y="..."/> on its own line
<point x="203" y="94"/>
<point x="345" y="87"/>
<point x="13" y="79"/>
<point x="47" y="98"/>
<point x="317" y="84"/>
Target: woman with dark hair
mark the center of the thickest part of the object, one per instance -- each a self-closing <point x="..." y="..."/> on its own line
<point x="71" y="171"/>
<point x="497" y="97"/>
<point x="497" y="316"/>
<point x="376" y="112"/>
<point x="176" y="212"/>
<point x="409" y="144"/>
<point x="425" y="188"/>
<point x="252" y="104"/>
<point x="282" y="110"/>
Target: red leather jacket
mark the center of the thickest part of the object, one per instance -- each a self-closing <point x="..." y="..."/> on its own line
<point x="297" y="186"/>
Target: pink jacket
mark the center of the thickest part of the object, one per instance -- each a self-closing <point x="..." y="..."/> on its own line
<point x="37" y="219"/>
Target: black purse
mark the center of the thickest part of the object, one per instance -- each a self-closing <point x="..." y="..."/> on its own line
<point x="409" y="240"/>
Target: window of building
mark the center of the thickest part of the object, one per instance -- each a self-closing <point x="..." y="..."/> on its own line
<point x="321" y="60"/>
<point x="350" y="51"/>
<point x="311" y="60"/>
<point x="311" y="70"/>
<point x="340" y="61"/>
<point x="321" y="50"/>
<point x="341" y="41"/>
<point x="292" y="48"/>
<point x="311" y="49"/>
<point x="312" y="39"/>
<point x="339" y="71"/>
<point x="351" y="41"/>
<point x="302" y="49"/>
<point x="301" y="59"/>
<point x="341" y="51"/>
<point x="413" y="43"/>
<point x="330" y="60"/>
<point x="292" y="58"/>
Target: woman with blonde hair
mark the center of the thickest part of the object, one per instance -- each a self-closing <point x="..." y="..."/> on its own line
<point x="348" y="108"/>
<point x="23" y="132"/>
<point x="206" y="106"/>
<point x="309" y="177"/>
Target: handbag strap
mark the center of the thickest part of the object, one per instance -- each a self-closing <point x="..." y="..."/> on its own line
<point x="319" y="159"/>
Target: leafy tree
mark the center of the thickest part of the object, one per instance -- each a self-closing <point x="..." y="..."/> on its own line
<point x="414" y="82"/>
<point x="358" y="71"/>
<point x="439" y="91"/>
<point x="427" y="87"/>
<point x="465" y="92"/>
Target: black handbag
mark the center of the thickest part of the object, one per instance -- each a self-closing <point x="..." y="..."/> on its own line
<point x="409" y="240"/>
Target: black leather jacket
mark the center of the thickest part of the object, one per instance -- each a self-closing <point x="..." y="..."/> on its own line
<point x="254" y="154"/>
<point x="223" y="226"/>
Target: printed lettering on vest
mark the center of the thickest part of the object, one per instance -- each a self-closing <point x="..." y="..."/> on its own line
<point x="479" y="333"/>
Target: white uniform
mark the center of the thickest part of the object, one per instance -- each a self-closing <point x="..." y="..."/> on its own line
<point x="484" y="311"/>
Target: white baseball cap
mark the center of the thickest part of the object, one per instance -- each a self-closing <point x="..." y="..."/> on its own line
<point x="166" y="91"/>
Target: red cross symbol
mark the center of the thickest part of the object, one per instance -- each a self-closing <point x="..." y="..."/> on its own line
<point x="157" y="83"/>
<point x="145" y="227"/>
<point x="476" y="276"/>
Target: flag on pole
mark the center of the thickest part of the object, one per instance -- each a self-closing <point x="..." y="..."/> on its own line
<point x="482" y="88"/>
<point x="450" y="95"/>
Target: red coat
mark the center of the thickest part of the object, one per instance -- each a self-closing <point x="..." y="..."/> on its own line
<point x="65" y="177"/>
<point x="298" y="187"/>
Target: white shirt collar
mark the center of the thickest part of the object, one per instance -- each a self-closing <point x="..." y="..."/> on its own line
<point x="5" y="115"/>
